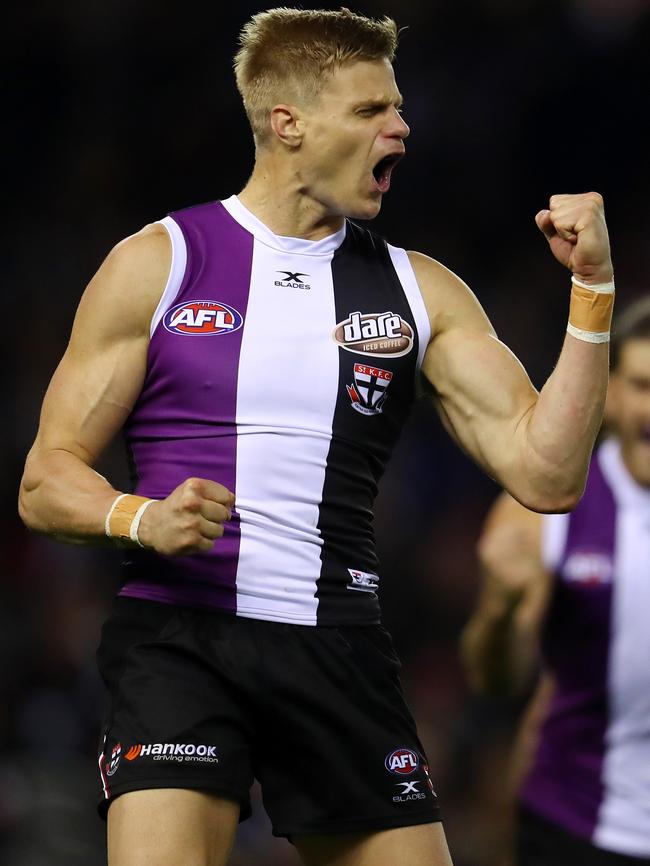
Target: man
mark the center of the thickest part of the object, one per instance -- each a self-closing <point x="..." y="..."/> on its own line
<point x="579" y="585"/>
<point x="261" y="354"/>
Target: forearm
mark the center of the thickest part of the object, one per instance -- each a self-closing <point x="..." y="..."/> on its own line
<point x="496" y="659"/>
<point x="63" y="497"/>
<point x="560" y="429"/>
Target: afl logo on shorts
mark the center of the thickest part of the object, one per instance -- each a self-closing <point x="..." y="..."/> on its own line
<point x="384" y="335"/>
<point x="202" y="319"/>
<point x="402" y="761"/>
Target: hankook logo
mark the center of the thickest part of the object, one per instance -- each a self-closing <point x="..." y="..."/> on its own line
<point x="384" y="335"/>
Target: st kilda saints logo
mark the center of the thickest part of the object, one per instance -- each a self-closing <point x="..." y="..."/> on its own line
<point x="202" y="319"/>
<point x="402" y="761"/>
<point x="385" y="335"/>
<point x="112" y="765"/>
<point x="368" y="393"/>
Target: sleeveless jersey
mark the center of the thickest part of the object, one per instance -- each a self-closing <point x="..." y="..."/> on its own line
<point x="591" y="773"/>
<point x="284" y="369"/>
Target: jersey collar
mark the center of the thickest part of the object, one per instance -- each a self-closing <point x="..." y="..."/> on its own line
<point x="300" y="246"/>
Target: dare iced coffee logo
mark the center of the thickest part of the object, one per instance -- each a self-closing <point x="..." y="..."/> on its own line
<point x="385" y="335"/>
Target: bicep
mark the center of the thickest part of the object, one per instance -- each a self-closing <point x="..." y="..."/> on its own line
<point x="482" y="391"/>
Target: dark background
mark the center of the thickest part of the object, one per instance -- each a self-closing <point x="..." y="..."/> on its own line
<point x="118" y="112"/>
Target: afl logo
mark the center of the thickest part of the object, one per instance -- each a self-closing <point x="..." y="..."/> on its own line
<point x="384" y="335"/>
<point x="202" y="319"/>
<point x="402" y="761"/>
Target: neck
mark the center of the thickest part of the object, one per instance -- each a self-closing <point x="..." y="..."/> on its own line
<point x="276" y="195"/>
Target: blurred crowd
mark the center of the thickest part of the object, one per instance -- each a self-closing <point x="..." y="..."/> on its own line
<point x="119" y="112"/>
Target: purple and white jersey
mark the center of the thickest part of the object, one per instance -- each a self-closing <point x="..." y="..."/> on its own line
<point x="591" y="773"/>
<point x="284" y="369"/>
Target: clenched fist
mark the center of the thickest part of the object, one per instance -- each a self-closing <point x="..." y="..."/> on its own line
<point x="577" y="233"/>
<point x="188" y="520"/>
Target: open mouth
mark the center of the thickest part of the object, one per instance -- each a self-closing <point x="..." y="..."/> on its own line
<point x="383" y="170"/>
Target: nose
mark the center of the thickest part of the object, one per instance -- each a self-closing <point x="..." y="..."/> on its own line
<point x="401" y="128"/>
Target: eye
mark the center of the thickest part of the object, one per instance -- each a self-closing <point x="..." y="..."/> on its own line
<point x="369" y="111"/>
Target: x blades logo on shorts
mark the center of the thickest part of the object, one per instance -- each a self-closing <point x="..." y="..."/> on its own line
<point x="202" y="319"/>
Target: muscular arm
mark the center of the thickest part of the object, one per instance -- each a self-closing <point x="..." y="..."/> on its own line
<point x="536" y="445"/>
<point x="90" y="397"/>
<point x="93" y="391"/>
<point x="499" y="644"/>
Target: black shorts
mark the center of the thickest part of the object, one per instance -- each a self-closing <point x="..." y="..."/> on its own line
<point x="542" y="843"/>
<point x="204" y="700"/>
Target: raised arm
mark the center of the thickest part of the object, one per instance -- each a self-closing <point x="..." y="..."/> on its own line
<point x="536" y="445"/>
<point x="500" y="643"/>
<point x="90" y="397"/>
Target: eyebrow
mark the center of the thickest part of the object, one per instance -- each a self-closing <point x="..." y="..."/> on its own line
<point x="380" y="103"/>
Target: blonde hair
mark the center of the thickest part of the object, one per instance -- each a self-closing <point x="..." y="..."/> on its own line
<point x="286" y="54"/>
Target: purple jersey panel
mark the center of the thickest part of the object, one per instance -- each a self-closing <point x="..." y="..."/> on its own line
<point x="184" y="422"/>
<point x="564" y="785"/>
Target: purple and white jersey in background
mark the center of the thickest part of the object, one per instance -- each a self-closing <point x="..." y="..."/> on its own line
<point x="591" y="773"/>
<point x="284" y="369"/>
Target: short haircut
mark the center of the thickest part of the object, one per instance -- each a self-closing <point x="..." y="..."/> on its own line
<point x="287" y="54"/>
<point x="632" y="323"/>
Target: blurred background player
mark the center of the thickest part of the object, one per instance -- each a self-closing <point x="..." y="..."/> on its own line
<point x="572" y="592"/>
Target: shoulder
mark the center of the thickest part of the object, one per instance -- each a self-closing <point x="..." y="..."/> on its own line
<point x="129" y="284"/>
<point x="449" y="300"/>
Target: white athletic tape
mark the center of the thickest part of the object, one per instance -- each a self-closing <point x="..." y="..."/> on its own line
<point x="133" y="531"/>
<point x="601" y="288"/>
<point x="587" y="336"/>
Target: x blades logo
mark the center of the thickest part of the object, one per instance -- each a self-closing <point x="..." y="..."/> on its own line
<point x="292" y="280"/>
<point x="410" y="791"/>
<point x="409" y="787"/>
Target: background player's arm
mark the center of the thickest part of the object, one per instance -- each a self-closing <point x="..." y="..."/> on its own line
<point x="90" y="397"/>
<point x="536" y="445"/>
<point x="500" y="643"/>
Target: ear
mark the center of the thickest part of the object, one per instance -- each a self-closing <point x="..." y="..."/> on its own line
<point x="287" y="124"/>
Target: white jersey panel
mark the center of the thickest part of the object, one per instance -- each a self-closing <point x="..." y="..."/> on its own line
<point x="624" y="818"/>
<point x="287" y="356"/>
<point x="176" y="271"/>
<point x="555" y="528"/>
<point x="407" y="278"/>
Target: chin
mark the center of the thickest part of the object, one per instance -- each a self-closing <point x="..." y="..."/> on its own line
<point x="367" y="210"/>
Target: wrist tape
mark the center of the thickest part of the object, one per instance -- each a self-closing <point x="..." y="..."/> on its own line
<point x="124" y="516"/>
<point x="590" y="313"/>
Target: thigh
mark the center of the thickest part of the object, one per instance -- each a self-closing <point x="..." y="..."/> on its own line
<point x="339" y="751"/>
<point x="424" y="845"/>
<point x="170" y="826"/>
<point x="173" y="719"/>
